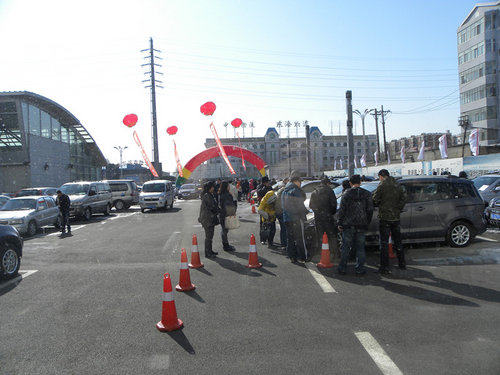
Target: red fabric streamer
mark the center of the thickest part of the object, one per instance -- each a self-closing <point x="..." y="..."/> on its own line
<point x="221" y="149"/>
<point x="144" y="156"/>
<point x="242" y="158"/>
<point x="178" y="161"/>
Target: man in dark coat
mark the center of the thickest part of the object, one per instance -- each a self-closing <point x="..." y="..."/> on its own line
<point x="324" y="204"/>
<point x="390" y="199"/>
<point x="294" y="216"/>
<point x="263" y="188"/>
<point x="64" y="204"/>
<point x="208" y="216"/>
<point x="355" y="213"/>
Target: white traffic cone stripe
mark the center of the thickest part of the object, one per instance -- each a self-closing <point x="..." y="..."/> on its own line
<point x="252" y="249"/>
<point x="168" y="296"/>
<point x="184" y="266"/>
<point x="324" y="246"/>
<point x="194" y="249"/>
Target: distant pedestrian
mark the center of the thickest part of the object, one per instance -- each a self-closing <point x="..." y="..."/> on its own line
<point x="226" y="208"/>
<point x="294" y="216"/>
<point x="234" y="193"/>
<point x="279" y="212"/>
<point x="345" y="185"/>
<point x="245" y="189"/>
<point x="267" y="213"/>
<point x="324" y="204"/>
<point x="209" y="210"/>
<point x="64" y="203"/>
<point x="355" y="213"/>
<point x="390" y="199"/>
<point x="463" y="174"/>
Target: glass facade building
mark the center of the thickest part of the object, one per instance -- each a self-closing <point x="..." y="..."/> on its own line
<point x="43" y="144"/>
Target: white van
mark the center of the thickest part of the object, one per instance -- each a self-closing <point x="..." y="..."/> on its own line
<point x="157" y="194"/>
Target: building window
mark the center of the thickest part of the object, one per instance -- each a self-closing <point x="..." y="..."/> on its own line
<point x="64" y="135"/>
<point x="45" y="121"/>
<point x="34" y="120"/>
<point x="56" y="130"/>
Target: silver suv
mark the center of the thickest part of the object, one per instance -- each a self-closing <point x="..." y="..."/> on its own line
<point x="125" y="193"/>
<point x="88" y="198"/>
<point x="157" y="194"/>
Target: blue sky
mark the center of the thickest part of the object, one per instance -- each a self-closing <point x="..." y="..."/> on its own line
<point x="262" y="61"/>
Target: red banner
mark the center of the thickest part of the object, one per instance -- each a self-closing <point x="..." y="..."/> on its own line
<point x="144" y="156"/>
<point x="242" y="158"/>
<point x="221" y="149"/>
<point x="178" y="161"/>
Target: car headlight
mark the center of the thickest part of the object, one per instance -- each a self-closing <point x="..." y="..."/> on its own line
<point x="16" y="221"/>
<point x="492" y="202"/>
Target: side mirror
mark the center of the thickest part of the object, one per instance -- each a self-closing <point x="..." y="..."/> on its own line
<point x="497" y="189"/>
<point x="40" y="208"/>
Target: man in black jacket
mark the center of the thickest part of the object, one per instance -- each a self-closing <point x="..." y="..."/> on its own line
<point x="324" y="204"/>
<point x="356" y="211"/>
<point x="64" y="203"/>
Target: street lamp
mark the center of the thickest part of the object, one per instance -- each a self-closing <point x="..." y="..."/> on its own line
<point x="363" y="115"/>
<point x="120" y="150"/>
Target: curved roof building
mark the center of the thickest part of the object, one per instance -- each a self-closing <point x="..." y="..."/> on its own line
<point x="43" y="144"/>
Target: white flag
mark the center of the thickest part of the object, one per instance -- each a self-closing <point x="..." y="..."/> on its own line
<point x="355" y="162"/>
<point x="375" y="156"/>
<point x="363" y="161"/>
<point x="341" y="164"/>
<point x="422" y="151"/>
<point x="474" y="142"/>
<point x="443" y="146"/>
<point x="403" y="154"/>
<point x="335" y="165"/>
<point x="388" y="158"/>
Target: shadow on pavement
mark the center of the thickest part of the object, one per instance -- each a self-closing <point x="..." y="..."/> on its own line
<point x="181" y="339"/>
<point x="194" y="295"/>
<point x="8" y="285"/>
<point x="235" y="267"/>
<point x="202" y="270"/>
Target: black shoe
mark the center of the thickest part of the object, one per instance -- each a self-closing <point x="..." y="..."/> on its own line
<point x="308" y="259"/>
<point x="293" y="260"/>
<point x="341" y="272"/>
<point x="210" y="255"/>
<point x="272" y="247"/>
<point x="360" y="273"/>
<point x="229" y="248"/>
<point x="383" y="271"/>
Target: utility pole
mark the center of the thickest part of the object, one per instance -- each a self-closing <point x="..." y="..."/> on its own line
<point x="382" y="113"/>
<point x="152" y="86"/>
<point x="375" y="114"/>
<point x="350" y="140"/>
<point x="308" y="150"/>
<point x="464" y="123"/>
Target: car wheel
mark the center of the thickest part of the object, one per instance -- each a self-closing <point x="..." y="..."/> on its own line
<point x="10" y="262"/>
<point x="108" y="210"/>
<point x="87" y="214"/>
<point x="119" y="205"/>
<point x="32" y="228"/>
<point x="459" y="234"/>
<point x="143" y="210"/>
<point x="58" y="222"/>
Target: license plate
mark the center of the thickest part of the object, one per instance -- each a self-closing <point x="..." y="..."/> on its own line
<point x="151" y="207"/>
<point x="495" y="216"/>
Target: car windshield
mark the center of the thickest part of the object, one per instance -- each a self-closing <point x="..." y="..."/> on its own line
<point x="188" y="187"/>
<point x="19" y="204"/>
<point x="75" y="189"/>
<point x="27" y="192"/>
<point x="153" y="188"/>
<point x="482" y="183"/>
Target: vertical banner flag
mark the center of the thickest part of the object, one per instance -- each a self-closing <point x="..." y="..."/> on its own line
<point x="474" y="142"/>
<point x="443" y="146"/>
<point x="403" y="154"/>
<point x="363" y="161"/>
<point x="375" y="156"/>
<point x="242" y="158"/>
<point x="422" y="151"/>
<point x="341" y="164"/>
<point x="144" y="156"/>
<point x="177" y="160"/>
<point x="355" y="162"/>
<point x="335" y="165"/>
<point x="388" y="158"/>
<point x="221" y="149"/>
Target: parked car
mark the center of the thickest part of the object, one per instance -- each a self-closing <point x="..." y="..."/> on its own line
<point x="3" y="200"/>
<point x="88" y="198"/>
<point x="11" y="251"/>
<point x="188" y="191"/>
<point x="157" y="194"/>
<point x="28" y="214"/>
<point x="50" y="191"/>
<point x="124" y="193"/>
<point x="492" y="212"/>
<point x="488" y="186"/>
<point x="438" y="208"/>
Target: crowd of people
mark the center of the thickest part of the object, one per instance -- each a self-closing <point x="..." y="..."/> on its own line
<point x="286" y="204"/>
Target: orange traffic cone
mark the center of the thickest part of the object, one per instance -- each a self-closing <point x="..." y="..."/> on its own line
<point x="169" y="321"/>
<point x="195" y="255"/>
<point x="391" y="253"/>
<point x="254" y="211"/>
<point x="253" y="258"/>
<point x="325" y="254"/>
<point x="184" y="280"/>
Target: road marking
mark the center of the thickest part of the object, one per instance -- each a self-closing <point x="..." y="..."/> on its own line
<point x="379" y="356"/>
<point x="22" y="275"/>
<point x="486" y="239"/>
<point x="123" y="215"/>
<point x="58" y="233"/>
<point x="320" y="279"/>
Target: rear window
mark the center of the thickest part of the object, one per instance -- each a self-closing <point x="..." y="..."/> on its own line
<point x="427" y="191"/>
<point x="153" y="188"/>
<point x="464" y="191"/>
<point x="118" y="187"/>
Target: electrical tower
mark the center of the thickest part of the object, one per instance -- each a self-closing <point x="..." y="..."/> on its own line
<point x="153" y="83"/>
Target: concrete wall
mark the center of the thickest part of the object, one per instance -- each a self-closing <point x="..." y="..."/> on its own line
<point x="55" y="154"/>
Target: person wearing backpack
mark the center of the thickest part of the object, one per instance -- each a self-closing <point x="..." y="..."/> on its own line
<point x="355" y="213"/>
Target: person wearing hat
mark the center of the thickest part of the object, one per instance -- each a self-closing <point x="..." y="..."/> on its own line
<point x="324" y="204"/>
<point x="294" y="216"/>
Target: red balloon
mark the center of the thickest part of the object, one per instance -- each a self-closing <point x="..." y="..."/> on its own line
<point x="208" y="108"/>
<point x="172" y="130"/>
<point x="236" y="122"/>
<point x="130" y="120"/>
